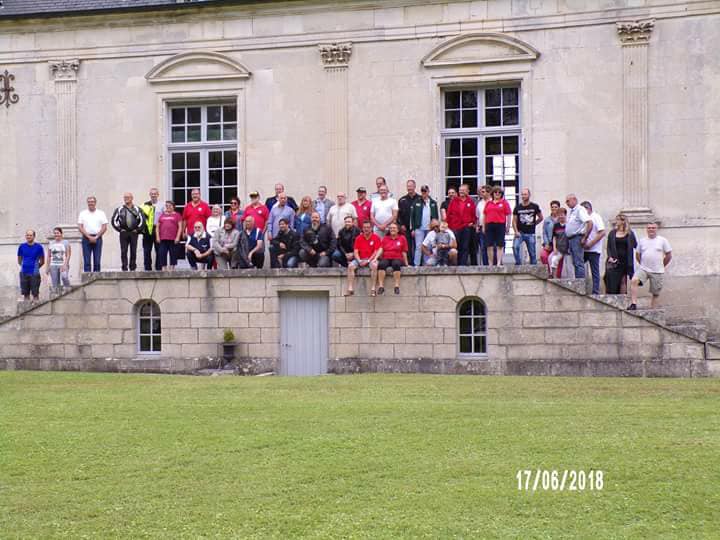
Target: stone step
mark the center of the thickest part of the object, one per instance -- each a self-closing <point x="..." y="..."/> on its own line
<point x="694" y="331"/>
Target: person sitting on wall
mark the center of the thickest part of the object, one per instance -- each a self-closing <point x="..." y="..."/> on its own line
<point x="435" y="240"/>
<point x="284" y="247"/>
<point x="345" y="245"/>
<point x="317" y="243"/>
<point x="199" y="248"/>
<point x="225" y="243"/>
<point x="251" y="248"/>
<point x="215" y="221"/>
<point x="394" y="255"/>
<point x="366" y="251"/>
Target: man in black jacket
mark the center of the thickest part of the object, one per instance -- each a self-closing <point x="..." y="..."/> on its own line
<point x="270" y="201"/>
<point x="405" y="205"/>
<point x="317" y="244"/>
<point x="284" y="247"/>
<point x="129" y="221"/>
<point x="345" y="250"/>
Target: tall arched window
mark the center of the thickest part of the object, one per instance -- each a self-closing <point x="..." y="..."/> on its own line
<point x="149" y="327"/>
<point x="472" y="327"/>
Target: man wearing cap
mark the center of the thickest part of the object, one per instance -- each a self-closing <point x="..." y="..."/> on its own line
<point x="363" y="206"/>
<point x="423" y="211"/>
<point x="257" y="210"/>
<point x="405" y="205"/>
<point x="338" y="212"/>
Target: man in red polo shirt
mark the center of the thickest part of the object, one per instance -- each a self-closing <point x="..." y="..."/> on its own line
<point x="363" y="206"/>
<point x="366" y="249"/>
<point x="461" y="219"/>
<point x="257" y="210"/>
<point x="194" y="211"/>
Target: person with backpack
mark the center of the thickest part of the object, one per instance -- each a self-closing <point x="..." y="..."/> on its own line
<point x="561" y="245"/>
<point x="129" y="221"/>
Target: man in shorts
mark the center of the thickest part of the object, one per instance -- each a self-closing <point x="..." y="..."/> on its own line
<point x="653" y="254"/>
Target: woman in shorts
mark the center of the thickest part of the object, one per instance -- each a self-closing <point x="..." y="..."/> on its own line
<point x="496" y="225"/>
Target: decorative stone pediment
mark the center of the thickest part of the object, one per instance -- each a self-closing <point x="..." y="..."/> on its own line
<point x="197" y="66"/>
<point x="479" y="48"/>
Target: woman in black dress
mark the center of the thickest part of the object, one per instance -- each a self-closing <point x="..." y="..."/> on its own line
<point x="619" y="266"/>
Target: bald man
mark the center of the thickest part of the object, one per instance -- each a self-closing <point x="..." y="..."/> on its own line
<point x="128" y="220"/>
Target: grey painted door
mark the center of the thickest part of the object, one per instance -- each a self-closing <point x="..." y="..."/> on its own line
<point x="303" y="333"/>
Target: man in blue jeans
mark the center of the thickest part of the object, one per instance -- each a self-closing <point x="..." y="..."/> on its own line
<point x="526" y="216"/>
<point x="93" y="225"/>
<point x="593" y="245"/>
<point x="577" y="230"/>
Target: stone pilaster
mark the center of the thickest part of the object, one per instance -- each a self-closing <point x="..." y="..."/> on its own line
<point x="635" y="38"/>
<point x="64" y="73"/>
<point x="335" y="58"/>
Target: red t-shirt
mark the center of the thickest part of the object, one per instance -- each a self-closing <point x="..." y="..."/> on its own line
<point x="497" y="212"/>
<point x="168" y="225"/>
<point x="393" y="248"/>
<point x="363" y="210"/>
<point x="260" y="213"/>
<point x="193" y="214"/>
<point x="461" y="213"/>
<point x="366" y="247"/>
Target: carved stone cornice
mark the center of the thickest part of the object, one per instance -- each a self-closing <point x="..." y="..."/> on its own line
<point x="335" y="55"/>
<point x="635" y="32"/>
<point x="64" y="70"/>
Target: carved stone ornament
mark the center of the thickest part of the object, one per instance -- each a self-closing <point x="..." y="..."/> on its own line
<point x="335" y="54"/>
<point x="635" y="31"/>
<point x="7" y="92"/>
<point x="64" y="70"/>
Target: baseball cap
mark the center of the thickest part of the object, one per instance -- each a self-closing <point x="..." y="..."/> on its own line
<point x="361" y="189"/>
<point x="254" y="194"/>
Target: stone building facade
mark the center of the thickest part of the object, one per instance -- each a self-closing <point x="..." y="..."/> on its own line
<point x="507" y="321"/>
<point x="615" y="100"/>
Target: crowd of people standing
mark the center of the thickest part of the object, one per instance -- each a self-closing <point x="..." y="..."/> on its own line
<point x="377" y="231"/>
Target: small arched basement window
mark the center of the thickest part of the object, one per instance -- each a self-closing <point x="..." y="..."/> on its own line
<point x="472" y="327"/>
<point x="149" y="327"/>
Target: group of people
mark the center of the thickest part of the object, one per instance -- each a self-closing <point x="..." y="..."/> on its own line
<point x="376" y="231"/>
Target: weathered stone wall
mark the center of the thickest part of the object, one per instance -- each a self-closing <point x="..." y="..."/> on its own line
<point x="535" y="326"/>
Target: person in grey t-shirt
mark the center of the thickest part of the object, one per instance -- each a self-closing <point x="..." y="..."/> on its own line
<point x="59" y="257"/>
<point x="577" y="229"/>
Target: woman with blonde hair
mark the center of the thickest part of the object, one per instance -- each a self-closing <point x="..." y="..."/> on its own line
<point x="302" y="216"/>
<point x="619" y="266"/>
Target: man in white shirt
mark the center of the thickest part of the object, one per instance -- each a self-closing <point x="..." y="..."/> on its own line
<point x="379" y="182"/>
<point x="338" y="212"/>
<point x="653" y="254"/>
<point x="577" y="231"/>
<point x="384" y="212"/>
<point x="93" y="225"/>
<point x="593" y="245"/>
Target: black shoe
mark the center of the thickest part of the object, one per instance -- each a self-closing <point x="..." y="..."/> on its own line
<point x="397" y="290"/>
<point x="632" y="307"/>
<point x="381" y="290"/>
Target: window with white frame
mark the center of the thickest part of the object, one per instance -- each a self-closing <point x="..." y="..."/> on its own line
<point x="481" y="138"/>
<point x="472" y="327"/>
<point x="149" y="327"/>
<point x="202" y="152"/>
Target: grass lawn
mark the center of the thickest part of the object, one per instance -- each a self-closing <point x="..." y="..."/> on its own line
<point x="376" y="456"/>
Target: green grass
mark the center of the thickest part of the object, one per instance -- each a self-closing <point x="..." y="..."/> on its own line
<point x="377" y="456"/>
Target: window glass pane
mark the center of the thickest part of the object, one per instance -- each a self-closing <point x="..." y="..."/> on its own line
<point x="466" y="344"/>
<point x="469" y="118"/>
<point x="469" y="166"/>
<point x="453" y="167"/>
<point x="178" y="134"/>
<point x="452" y="100"/>
<point x="178" y="116"/>
<point x="193" y="134"/>
<point x="492" y="97"/>
<point x="452" y="147"/>
<point x="465" y="325"/>
<point x="178" y="160"/>
<point x="478" y="325"/>
<point x="466" y="308"/>
<point x="229" y="113"/>
<point x="193" y="160"/>
<point x="469" y="147"/>
<point x="193" y="115"/>
<point x="215" y="196"/>
<point x="510" y="96"/>
<point x="215" y="177"/>
<point x="479" y="345"/>
<point x="492" y="117"/>
<point x="178" y="179"/>
<point x="471" y="182"/>
<point x="193" y="180"/>
<point x="229" y="193"/>
<point x="229" y="132"/>
<point x="230" y="158"/>
<point x="145" y="310"/>
<point x="213" y="132"/>
<point x="214" y="160"/>
<point x="510" y="116"/>
<point x="510" y="145"/>
<point x="452" y="119"/>
<point x="156" y="325"/>
<point x="469" y="99"/>
<point x="213" y="114"/>
<point x="145" y="343"/>
<point x="230" y="177"/>
<point x="144" y="326"/>
<point x="492" y="145"/>
<point x="156" y="344"/>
